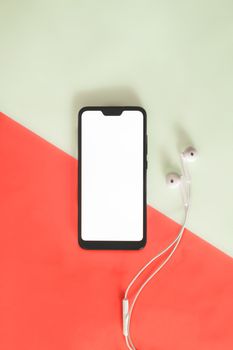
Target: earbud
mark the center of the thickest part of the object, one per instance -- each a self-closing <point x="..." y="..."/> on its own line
<point x="173" y="180"/>
<point x="190" y="154"/>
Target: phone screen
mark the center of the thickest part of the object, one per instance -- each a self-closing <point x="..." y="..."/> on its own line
<point x="112" y="175"/>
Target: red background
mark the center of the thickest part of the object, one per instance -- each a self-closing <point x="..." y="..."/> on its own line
<point x="54" y="295"/>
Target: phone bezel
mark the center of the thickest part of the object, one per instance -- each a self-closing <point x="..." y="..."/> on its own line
<point x="112" y="245"/>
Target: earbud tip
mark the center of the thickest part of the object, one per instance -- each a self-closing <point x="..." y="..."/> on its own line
<point x="173" y="180"/>
<point x="190" y="154"/>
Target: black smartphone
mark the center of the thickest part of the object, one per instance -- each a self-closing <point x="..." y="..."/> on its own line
<point x="112" y="167"/>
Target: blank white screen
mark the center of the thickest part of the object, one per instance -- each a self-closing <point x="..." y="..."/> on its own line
<point x="112" y="176"/>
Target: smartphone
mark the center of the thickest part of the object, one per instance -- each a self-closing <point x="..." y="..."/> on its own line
<point x="112" y="167"/>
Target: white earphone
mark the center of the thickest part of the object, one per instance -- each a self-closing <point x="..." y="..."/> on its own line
<point x="173" y="180"/>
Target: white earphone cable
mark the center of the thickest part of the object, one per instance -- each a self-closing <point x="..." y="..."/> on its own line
<point x="159" y="254"/>
<point x="172" y="179"/>
<point x="177" y="240"/>
<point x="148" y="264"/>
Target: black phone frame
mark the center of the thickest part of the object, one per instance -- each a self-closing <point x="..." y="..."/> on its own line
<point x="112" y="245"/>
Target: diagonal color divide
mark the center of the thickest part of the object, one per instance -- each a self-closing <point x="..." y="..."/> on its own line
<point x="54" y="295"/>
